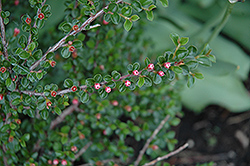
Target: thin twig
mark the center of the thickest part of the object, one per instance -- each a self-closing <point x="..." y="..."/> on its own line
<point x="150" y="139"/>
<point x="73" y="33"/>
<point x="34" y="25"/>
<point x="83" y="150"/>
<point x="3" y="37"/>
<point x="61" y="117"/>
<point x="5" y="160"/>
<point x="168" y="155"/>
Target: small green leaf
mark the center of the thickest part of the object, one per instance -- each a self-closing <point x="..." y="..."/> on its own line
<point x="24" y="55"/>
<point x="4" y="128"/>
<point x="111" y="84"/>
<point x="151" y="7"/>
<point x="175" y="38"/>
<point x="164" y="3"/>
<point x="31" y="46"/>
<point x="98" y="78"/>
<point x="77" y="44"/>
<point x="136" y="66"/>
<point x="190" y="81"/>
<point x="89" y="82"/>
<point x="161" y="59"/>
<point x="147" y="61"/>
<point x="39" y="23"/>
<point x="140" y="82"/>
<point x="22" y="143"/>
<point x="192" y="50"/>
<point x="136" y="6"/>
<point x="199" y="75"/>
<point x="134" y="18"/>
<point x="184" y="40"/>
<point x="39" y="76"/>
<point x="146" y="2"/>
<point x="65" y="52"/>
<point x="126" y="11"/>
<point x="115" y="18"/>
<point x="157" y="79"/>
<point x="103" y="94"/>
<point x="212" y="58"/>
<point x="66" y="27"/>
<point x="127" y="25"/>
<point x="25" y="137"/>
<point x="204" y="61"/>
<point x="68" y="83"/>
<point x="122" y="87"/>
<point x="148" y="82"/>
<point x="177" y="69"/>
<point x="150" y="15"/>
<point x="84" y="97"/>
<point x="113" y="7"/>
<point x="116" y="75"/>
<point x="44" y="114"/>
<point x="130" y="67"/>
<point x="57" y="110"/>
<point x="16" y="101"/>
<point x="107" y="78"/>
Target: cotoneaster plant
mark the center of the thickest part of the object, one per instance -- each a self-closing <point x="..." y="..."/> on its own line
<point x="86" y="99"/>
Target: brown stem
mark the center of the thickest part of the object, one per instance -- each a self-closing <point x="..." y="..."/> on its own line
<point x="83" y="150"/>
<point x="3" y="37"/>
<point x="73" y="33"/>
<point x="168" y="155"/>
<point x="150" y="139"/>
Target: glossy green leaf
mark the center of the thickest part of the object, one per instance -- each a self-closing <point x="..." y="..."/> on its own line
<point x="150" y="15"/>
<point x="57" y="110"/>
<point x="140" y="82"/>
<point x="44" y="114"/>
<point x="157" y="79"/>
<point x="184" y="40"/>
<point x="177" y="69"/>
<point x="175" y="38"/>
<point x="126" y="11"/>
<point x="65" y="52"/>
<point x="68" y="83"/>
<point x="127" y="25"/>
<point x="115" y="18"/>
<point x="98" y="78"/>
<point x="136" y="66"/>
<point x="190" y="81"/>
<point x="136" y="6"/>
<point x="134" y="18"/>
<point x="122" y="87"/>
<point x="116" y="75"/>
<point x="148" y="82"/>
<point x="164" y="3"/>
<point x="66" y="27"/>
<point x="84" y="97"/>
<point x="107" y="78"/>
<point x="198" y="75"/>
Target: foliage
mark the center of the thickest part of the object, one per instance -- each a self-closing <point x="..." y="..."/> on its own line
<point x="223" y="82"/>
<point x="60" y="102"/>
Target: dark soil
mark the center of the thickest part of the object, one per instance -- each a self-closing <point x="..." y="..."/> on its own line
<point x="214" y="135"/>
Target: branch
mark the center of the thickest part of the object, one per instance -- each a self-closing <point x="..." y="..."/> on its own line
<point x="82" y="151"/>
<point x="5" y="44"/>
<point x="34" y="25"/>
<point x="150" y="139"/>
<point x="73" y="33"/>
<point x="60" y="118"/>
<point x="168" y="155"/>
<point x="5" y="160"/>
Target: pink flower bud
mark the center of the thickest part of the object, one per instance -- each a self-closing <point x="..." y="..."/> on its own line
<point x="75" y="101"/>
<point x="151" y="66"/>
<point x="114" y="103"/>
<point x="1" y="97"/>
<point x="64" y="162"/>
<point x="55" y="161"/>
<point x="167" y="65"/>
<point x="136" y="72"/>
<point x="16" y="32"/>
<point x="75" y="27"/>
<point x="71" y="49"/>
<point x="53" y="93"/>
<point x="3" y="69"/>
<point x="161" y="73"/>
<point x="108" y="89"/>
<point x="74" y="88"/>
<point x="52" y="63"/>
<point x="105" y="22"/>
<point x="73" y="148"/>
<point x="97" y="86"/>
<point x="127" y="83"/>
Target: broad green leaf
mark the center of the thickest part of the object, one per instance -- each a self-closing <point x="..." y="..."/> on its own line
<point x="126" y="11"/>
<point x="115" y="18"/>
<point x="65" y="52"/>
<point x="148" y="81"/>
<point x="150" y="15"/>
<point x="136" y="6"/>
<point x="134" y="18"/>
<point x="98" y="78"/>
<point x="57" y="110"/>
<point x="175" y="38"/>
<point x="176" y="69"/>
<point x="184" y="40"/>
<point x="157" y="79"/>
<point x="44" y="114"/>
<point x="84" y="97"/>
<point x="68" y="83"/>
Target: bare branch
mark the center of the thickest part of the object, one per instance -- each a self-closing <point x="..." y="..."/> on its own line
<point x="5" y="44"/>
<point x="168" y="155"/>
<point x="83" y="150"/>
<point x="150" y="139"/>
<point x="60" y="118"/>
<point x="73" y="33"/>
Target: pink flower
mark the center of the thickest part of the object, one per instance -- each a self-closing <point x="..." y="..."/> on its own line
<point x="28" y="20"/>
<point x="55" y="161"/>
<point x="75" y="27"/>
<point x="114" y="103"/>
<point x="41" y="16"/>
<point x="53" y="93"/>
<point x="161" y="73"/>
<point x="136" y="72"/>
<point x="108" y="89"/>
<point x="64" y="162"/>
<point x="16" y="32"/>
<point x="74" y="88"/>
<point x="105" y="22"/>
<point x="73" y="148"/>
<point x="71" y="49"/>
<point x="3" y="69"/>
<point x="127" y="83"/>
<point x="97" y="86"/>
<point x="52" y="63"/>
<point x="1" y="96"/>
<point x="167" y="65"/>
<point x="75" y="101"/>
<point x="151" y="66"/>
